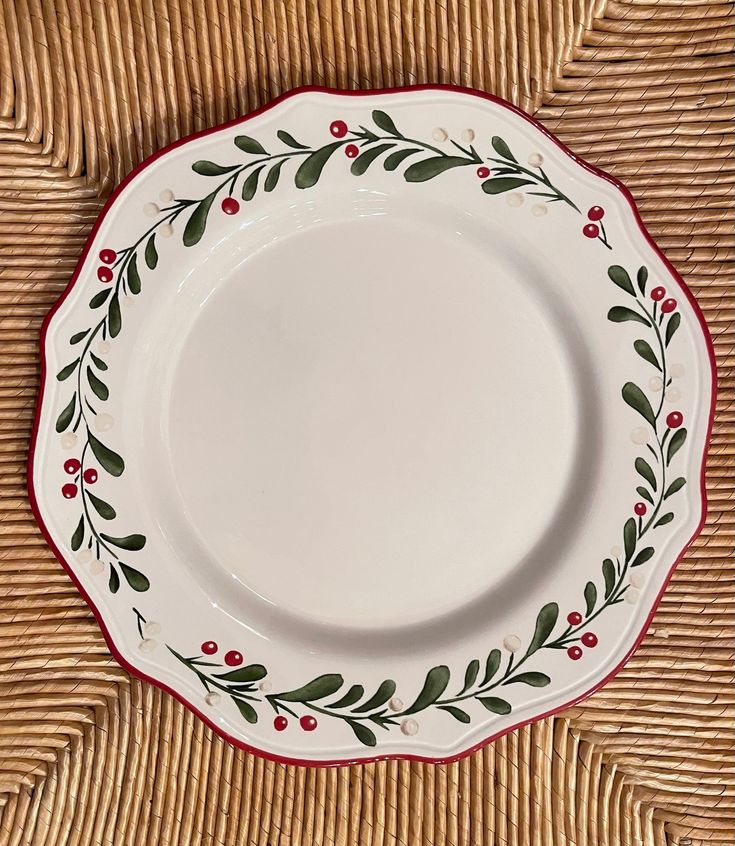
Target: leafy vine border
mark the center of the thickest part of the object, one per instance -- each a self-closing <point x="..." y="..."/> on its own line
<point x="247" y="685"/>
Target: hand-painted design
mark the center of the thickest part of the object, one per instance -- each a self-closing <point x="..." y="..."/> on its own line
<point x="328" y="696"/>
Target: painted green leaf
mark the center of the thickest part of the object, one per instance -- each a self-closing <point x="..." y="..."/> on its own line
<point x="353" y="695"/>
<point x="621" y="314"/>
<point x="364" y="160"/>
<point x="114" y="581"/>
<point x="249" y="673"/>
<point x="470" y="676"/>
<point x="491" y="665"/>
<point x="644" y="555"/>
<point x="362" y="733"/>
<point x="101" y="391"/>
<point x="99" y="298"/>
<point x="590" y="597"/>
<point x="109" y="460"/>
<point x="638" y="401"/>
<point x="502" y="149"/>
<point x="130" y="542"/>
<point x="205" y="168"/>
<point x="644" y="469"/>
<point x="630" y="537"/>
<point x="66" y="372"/>
<point x="98" y="362"/>
<point x="382" y="121"/>
<point x="249" y="145"/>
<point x="645" y="493"/>
<point x="532" y="679"/>
<point x="246" y="709"/>
<point x="429" y="168"/>
<point x="134" y="578"/>
<point x="289" y="140"/>
<point x="457" y="713"/>
<point x="114" y="318"/>
<point x="394" y="159"/>
<point x="104" y="509"/>
<point x="311" y="168"/>
<point x="675" y="486"/>
<point x="250" y="186"/>
<point x="662" y="521"/>
<point x="501" y="184"/>
<point x="318" y="688"/>
<point x="133" y="276"/>
<point x="672" y="326"/>
<point x="545" y="623"/>
<point x="274" y="173"/>
<point x="495" y="704"/>
<point x="79" y="336"/>
<point x="65" y="418"/>
<point x="609" y="575"/>
<point x="644" y="350"/>
<point x="380" y="697"/>
<point x="435" y="684"/>
<point x="151" y="253"/>
<point x="197" y="222"/>
<point x="619" y="275"/>
<point x="642" y="279"/>
<point x="78" y="536"/>
<point x="675" y="444"/>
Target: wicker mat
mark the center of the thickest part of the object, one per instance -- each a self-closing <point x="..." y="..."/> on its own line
<point x="88" y="88"/>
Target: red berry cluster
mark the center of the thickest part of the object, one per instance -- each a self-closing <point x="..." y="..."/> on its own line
<point x="658" y="294"/>
<point x="72" y="466"/>
<point x="307" y="723"/>
<point x="592" y="230"/>
<point x="233" y="658"/>
<point x="589" y="639"/>
<point x="107" y="256"/>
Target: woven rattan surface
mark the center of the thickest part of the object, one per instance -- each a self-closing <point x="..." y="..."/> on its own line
<point x="88" y="88"/>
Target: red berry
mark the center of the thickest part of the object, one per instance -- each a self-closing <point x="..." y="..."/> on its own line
<point x="90" y="476"/>
<point x="658" y="293"/>
<point x="591" y="230"/>
<point x="596" y="213"/>
<point x="338" y="128"/>
<point x="668" y="305"/>
<point x="230" y="205"/>
<point x="71" y="466"/>
<point x="104" y="274"/>
<point x="280" y="723"/>
<point x="107" y="256"/>
<point x="209" y="647"/>
<point x="574" y="619"/>
<point x="675" y="419"/>
<point x="351" y="151"/>
<point x="69" y="491"/>
<point x="574" y="652"/>
<point x="640" y="508"/>
<point x="308" y="723"/>
<point x="589" y="639"/>
<point x="233" y="658"/>
<point x="483" y="172"/>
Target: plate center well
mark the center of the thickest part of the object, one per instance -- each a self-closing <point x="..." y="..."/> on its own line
<point x="372" y="424"/>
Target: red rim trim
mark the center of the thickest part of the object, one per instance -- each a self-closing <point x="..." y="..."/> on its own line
<point x="134" y="671"/>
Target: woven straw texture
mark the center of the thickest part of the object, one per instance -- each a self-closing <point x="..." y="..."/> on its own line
<point x="89" y="88"/>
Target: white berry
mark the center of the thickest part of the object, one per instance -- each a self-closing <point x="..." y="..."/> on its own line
<point x="166" y="230"/>
<point x="84" y="556"/>
<point x="96" y="567"/>
<point x="639" y="435"/>
<point x="212" y="698"/>
<point x="468" y="135"/>
<point x="512" y="643"/>
<point x="439" y="134"/>
<point x="166" y="196"/>
<point x="265" y="686"/>
<point x="637" y="580"/>
<point x="409" y="726"/>
<point x="655" y="383"/>
<point x="539" y="210"/>
<point x="103" y="347"/>
<point x="152" y="628"/>
<point x="677" y="371"/>
<point x="103" y="422"/>
<point x="68" y="440"/>
<point x="632" y="595"/>
<point x="616" y="552"/>
<point x="151" y="210"/>
<point x="673" y="394"/>
<point x="535" y="159"/>
<point x="396" y="704"/>
<point x="147" y="645"/>
<point x="514" y="200"/>
<point x="128" y="302"/>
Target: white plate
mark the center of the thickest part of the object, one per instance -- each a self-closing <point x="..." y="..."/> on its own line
<point x="378" y="426"/>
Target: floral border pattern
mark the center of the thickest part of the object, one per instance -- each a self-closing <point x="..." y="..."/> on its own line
<point x="484" y="680"/>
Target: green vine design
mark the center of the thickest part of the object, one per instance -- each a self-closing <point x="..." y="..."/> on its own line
<point x="485" y="681"/>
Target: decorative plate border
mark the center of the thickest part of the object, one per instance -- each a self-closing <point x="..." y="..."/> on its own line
<point x="382" y="708"/>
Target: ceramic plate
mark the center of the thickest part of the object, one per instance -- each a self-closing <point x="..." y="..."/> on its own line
<point x="372" y="425"/>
